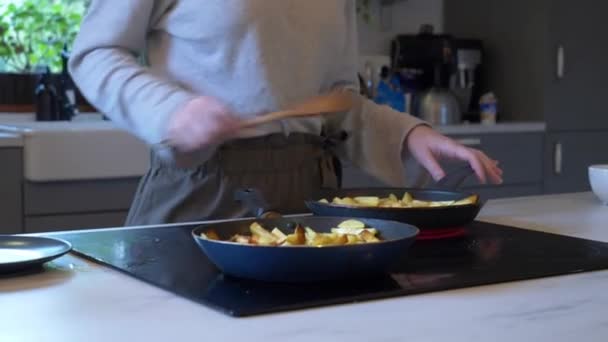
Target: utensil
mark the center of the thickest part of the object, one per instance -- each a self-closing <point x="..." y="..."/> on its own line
<point x="21" y="252"/>
<point x="426" y="218"/>
<point x="306" y="263"/>
<point x="299" y="264"/>
<point x="334" y="102"/>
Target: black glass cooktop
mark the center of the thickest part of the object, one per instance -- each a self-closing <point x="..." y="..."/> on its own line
<point x="169" y="258"/>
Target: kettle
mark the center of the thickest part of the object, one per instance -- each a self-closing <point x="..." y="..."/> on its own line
<point x="438" y="106"/>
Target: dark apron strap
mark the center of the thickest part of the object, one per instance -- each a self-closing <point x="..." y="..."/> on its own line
<point x="330" y="142"/>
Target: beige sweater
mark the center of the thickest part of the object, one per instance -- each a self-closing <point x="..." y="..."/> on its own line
<point x="255" y="55"/>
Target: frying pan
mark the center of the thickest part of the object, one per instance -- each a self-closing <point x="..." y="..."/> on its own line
<point x="423" y="218"/>
<point x="299" y="264"/>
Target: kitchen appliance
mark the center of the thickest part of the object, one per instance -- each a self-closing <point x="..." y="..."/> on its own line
<point x="439" y="106"/>
<point x="466" y="84"/>
<point x="169" y="258"/>
<point x="444" y="70"/>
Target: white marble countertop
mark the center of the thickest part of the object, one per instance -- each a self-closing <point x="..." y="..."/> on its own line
<point x="79" y="301"/>
<point x="10" y="140"/>
<point x="506" y="127"/>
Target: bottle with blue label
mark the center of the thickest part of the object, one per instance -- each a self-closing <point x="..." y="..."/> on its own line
<point x="389" y="91"/>
<point x="488" y="106"/>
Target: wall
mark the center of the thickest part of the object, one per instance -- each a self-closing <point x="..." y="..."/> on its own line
<point x="402" y="17"/>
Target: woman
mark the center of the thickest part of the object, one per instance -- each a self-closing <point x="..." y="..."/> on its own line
<point x="189" y="71"/>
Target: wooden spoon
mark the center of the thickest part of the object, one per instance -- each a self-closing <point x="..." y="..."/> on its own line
<point x="334" y="102"/>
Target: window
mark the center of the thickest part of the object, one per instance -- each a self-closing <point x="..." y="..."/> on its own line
<point x="33" y="33"/>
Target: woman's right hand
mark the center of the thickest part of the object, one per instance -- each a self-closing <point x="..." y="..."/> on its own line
<point x="202" y="122"/>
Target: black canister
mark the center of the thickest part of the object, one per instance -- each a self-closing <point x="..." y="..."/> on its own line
<point x="47" y="104"/>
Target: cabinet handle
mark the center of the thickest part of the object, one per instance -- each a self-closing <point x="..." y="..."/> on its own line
<point x="557" y="158"/>
<point x="561" y="61"/>
<point x="470" y="142"/>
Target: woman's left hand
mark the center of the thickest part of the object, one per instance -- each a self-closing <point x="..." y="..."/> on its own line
<point x="428" y="146"/>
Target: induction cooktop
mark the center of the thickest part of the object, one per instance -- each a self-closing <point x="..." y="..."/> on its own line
<point x="169" y="258"/>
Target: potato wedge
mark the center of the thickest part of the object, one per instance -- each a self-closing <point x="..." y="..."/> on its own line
<point x="345" y="201"/>
<point x="298" y="237"/>
<point x="466" y="201"/>
<point x="368" y="201"/>
<point x="281" y="237"/>
<point x="351" y="232"/>
<point x="367" y="236"/>
<point x="353" y="239"/>
<point x="310" y="235"/>
<point x="420" y="204"/>
<point x="407" y="199"/>
<point x="257" y="230"/>
<point x="242" y="239"/>
<point x="210" y="235"/>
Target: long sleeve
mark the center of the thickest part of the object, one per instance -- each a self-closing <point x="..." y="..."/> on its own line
<point x="105" y="67"/>
<point x="377" y="133"/>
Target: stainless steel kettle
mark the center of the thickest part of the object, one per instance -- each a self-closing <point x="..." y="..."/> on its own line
<point x="438" y="106"/>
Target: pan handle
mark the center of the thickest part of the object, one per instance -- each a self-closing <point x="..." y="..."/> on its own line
<point x="254" y="200"/>
<point x="455" y="178"/>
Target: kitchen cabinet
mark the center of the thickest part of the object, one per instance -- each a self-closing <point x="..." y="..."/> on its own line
<point x="577" y="87"/>
<point x="545" y="59"/>
<point x="11" y="176"/>
<point x="569" y="155"/>
<point x="68" y="205"/>
<point x="520" y="155"/>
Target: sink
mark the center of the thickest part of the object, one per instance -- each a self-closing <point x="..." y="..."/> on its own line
<point x="20" y="118"/>
<point x="77" y="150"/>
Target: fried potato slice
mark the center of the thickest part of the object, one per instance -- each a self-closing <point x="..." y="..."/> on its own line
<point x="257" y="230"/>
<point x="210" y="235"/>
<point x="281" y="237"/>
<point x="242" y="239"/>
<point x="466" y="201"/>
<point x="407" y="199"/>
<point x="368" y="201"/>
<point x="367" y="236"/>
<point x="298" y="237"/>
<point x="349" y="232"/>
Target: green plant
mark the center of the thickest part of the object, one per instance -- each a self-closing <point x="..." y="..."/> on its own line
<point x="34" y="32"/>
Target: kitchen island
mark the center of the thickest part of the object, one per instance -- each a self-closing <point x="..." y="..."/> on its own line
<point x="75" y="300"/>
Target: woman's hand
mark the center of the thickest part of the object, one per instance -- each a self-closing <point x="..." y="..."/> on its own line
<point x="202" y="122"/>
<point x="428" y="146"/>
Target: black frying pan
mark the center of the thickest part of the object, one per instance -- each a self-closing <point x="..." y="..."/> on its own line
<point x="302" y="263"/>
<point x="423" y="218"/>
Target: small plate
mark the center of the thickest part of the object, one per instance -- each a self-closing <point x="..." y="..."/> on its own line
<point x="21" y="252"/>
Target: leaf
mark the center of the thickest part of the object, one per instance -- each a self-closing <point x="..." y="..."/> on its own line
<point x="35" y="31"/>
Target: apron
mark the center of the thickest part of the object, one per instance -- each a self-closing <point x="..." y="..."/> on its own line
<point x="286" y="169"/>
